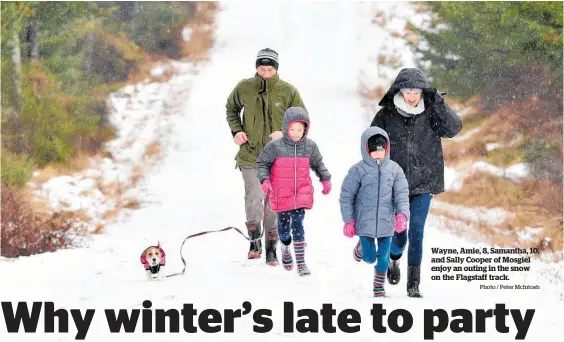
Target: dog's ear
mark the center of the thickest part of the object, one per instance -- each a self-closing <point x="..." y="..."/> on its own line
<point x="160" y="248"/>
<point x="143" y="256"/>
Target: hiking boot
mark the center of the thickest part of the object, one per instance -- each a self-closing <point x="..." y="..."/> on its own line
<point x="394" y="272"/>
<point x="413" y="278"/>
<point x="270" y="248"/>
<point x="255" y="248"/>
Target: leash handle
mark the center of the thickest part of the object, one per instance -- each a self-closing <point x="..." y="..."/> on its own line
<point x="207" y="232"/>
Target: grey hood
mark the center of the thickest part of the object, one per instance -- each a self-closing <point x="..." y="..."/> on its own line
<point x="369" y="132"/>
<point x="295" y="114"/>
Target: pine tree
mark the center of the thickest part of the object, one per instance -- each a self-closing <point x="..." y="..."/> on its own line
<point x="477" y="47"/>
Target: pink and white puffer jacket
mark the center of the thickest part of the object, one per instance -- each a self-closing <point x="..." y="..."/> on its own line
<point x="287" y="164"/>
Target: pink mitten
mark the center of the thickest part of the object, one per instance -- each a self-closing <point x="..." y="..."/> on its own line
<point x="266" y="187"/>
<point x="326" y="187"/>
<point x="349" y="229"/>
<point x="401" y="223"/>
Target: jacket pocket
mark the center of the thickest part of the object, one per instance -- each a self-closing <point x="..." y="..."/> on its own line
<point x="249" y="151"/>
<point x="252" y="145"/>
<point x="250" y="112"/>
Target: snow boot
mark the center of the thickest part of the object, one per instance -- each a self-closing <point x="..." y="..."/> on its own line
<point x="270" y="248"/>
<point x="357" y="252"/>
<point x="287" y="261"/>
<point x="394" y="272"/>
<point x="413" y="278"/>
<point x="255" y="249"/>
<point x="379" y="280"/>
<point x="299" y="249"/>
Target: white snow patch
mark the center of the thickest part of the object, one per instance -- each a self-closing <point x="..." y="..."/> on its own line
<point x="486" y="167"/>
<point x="454" y="176"/>
<point x="518" y="171"/>
<point x="186" y="33"/>
<point x="514" y="172"/>
<point x="489" y="216"/>
<point x="528" y="233"/>
<point x="454" y="180"/>
<point x="493" y="146"/>
<point x="158" y="71"/>
<point x="466" y="110"/>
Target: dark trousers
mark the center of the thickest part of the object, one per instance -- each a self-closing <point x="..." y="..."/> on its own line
<point x="419" y="209"/>
<point x="290" y="225"/>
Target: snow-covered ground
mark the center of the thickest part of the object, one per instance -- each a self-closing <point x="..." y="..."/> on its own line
<point x="322" y="48"/>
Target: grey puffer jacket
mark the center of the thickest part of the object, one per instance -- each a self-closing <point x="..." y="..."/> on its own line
<point x="372" y="194"/>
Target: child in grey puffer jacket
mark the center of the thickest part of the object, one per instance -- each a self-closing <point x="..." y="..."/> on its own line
<point x="374" y="203"/>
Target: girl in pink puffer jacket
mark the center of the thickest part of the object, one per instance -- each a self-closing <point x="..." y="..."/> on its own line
<point x="283" y="169"/>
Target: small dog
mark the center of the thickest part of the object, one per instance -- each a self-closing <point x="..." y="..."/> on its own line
<point x="153" y="259"/>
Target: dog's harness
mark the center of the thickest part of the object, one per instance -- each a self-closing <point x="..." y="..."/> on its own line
<point x="155" y="269"/>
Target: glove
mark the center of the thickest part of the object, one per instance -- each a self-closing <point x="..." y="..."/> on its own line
<point x="266" y="187"/>
<point x="434" y="96"/>
<point x="401" y="223"/>
<point x="326" y="187"/>
<point x="349" y="229"/>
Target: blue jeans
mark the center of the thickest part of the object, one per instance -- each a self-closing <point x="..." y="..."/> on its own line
<point x="370" y="254"/>
<point x="291" y="221"/>
<point x="418" y="210"/>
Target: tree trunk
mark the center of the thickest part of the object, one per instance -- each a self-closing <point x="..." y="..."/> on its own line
<point x="15" y="124"/>
<point x="134" y="16"/>
<point x="33" y="41"/>
<point x="89" y="46"/>
<point x="17" y="61"/>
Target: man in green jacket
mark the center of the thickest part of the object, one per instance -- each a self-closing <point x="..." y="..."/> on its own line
<point x="262" y="101"/>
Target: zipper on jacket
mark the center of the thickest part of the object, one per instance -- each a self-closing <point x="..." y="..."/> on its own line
<point x="409" y="126"/>
<point x="295" y="174"/>
<point x="264" y="113"/>
<point x="378" y="200"/>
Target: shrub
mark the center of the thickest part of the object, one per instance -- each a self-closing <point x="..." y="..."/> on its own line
<point x="26" y="232"/>
<point x="545" y="159"/>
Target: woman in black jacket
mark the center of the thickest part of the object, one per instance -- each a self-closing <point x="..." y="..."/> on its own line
<point x="416" y="117"/>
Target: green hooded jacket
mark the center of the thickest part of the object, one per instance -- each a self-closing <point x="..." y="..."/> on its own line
<point x="263" y="103"/>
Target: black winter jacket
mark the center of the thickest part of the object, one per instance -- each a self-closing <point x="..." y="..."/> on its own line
<point x="416" y="141"/>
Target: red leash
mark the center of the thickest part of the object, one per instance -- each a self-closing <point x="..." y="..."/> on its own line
<point x="206" y="232"/>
